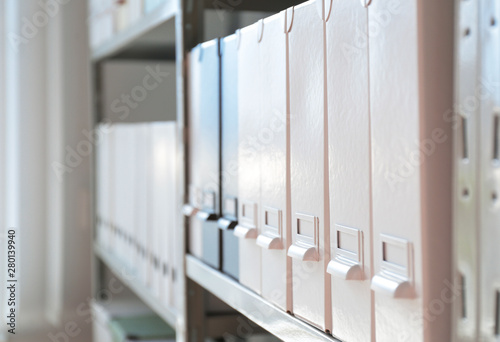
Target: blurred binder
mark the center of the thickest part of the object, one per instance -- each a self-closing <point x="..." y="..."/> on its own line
<point x="194" y="200"/>
<point x="145" y="232"/>
<point x="275" y="200"/>
<point x="209" y="165"/>
<point x="229" y="155"/>
<point x="249" y="127"/>
<point x="164" y="202"/>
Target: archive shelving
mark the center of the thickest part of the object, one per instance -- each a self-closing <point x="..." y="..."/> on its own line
<point x="169" y="33"/>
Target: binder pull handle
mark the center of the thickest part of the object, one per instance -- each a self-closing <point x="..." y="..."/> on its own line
<point x="269" y="242"/>
<point x="188" y="210"/>
<point x="306" y="238"/>
<point x="244" y="232"/>
<point x="396" y="269"/>
<point x="303" y="252"/>
<point x="345" y="270"/>
<point x="348" y="261"/>
<point x="392" y="286"/>
<point x="206" y="216"/>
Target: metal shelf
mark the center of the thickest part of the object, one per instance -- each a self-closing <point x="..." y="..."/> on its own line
<point x="169" y="315"/>
<point x="254" y="5"/>
<point x="123" y="39"/>
<point x="257" y="309"/>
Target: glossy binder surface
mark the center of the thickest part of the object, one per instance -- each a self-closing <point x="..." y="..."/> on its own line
<point x="249" y="158"/>
<point x="349" y="151"/>
<point x="229" y="156"/>
<point x="309" y="190"/>
<point x="275" y="177"/>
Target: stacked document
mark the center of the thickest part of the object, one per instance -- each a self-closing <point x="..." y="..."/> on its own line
<point x="136" y="211"/>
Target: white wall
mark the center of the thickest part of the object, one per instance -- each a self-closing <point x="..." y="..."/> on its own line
<point x="45" y="109"/>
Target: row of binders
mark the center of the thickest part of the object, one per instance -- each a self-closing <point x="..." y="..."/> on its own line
<point x="108" y="17"/>
<point x="136" y="211"/>
<point x="314" y="151"/>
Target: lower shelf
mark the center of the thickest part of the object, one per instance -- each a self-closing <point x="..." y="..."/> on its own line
<point x="257" y="309"/>
<point x="169" y="315"/>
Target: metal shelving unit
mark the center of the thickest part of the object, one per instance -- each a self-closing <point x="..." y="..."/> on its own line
<point x="124" y="39"/>
<point x="192" y="320"/>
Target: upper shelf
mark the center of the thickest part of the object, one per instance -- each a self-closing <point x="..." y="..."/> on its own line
<point x="257" y="309"/>
<point x="142" y="35"/>
<point x="254" y="5"/>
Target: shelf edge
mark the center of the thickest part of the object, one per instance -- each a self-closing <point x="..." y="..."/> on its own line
<point x="120" y="40"/>
<point x="251" y="305"/>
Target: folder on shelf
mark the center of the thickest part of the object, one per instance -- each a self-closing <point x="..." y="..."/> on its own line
<point x="249" y="152"/>
<point x="410" y="92"/>
<point x="349" y="164"/>
<point x="124" y="190"/>
<point x="103" y="185"/>
<point x="176" y="249"/>
<point x="274" y="221"/>
<point x="190" y="209"/>
<point x="144" y="214"/>
<point x="164" y="202"/>
<point x="310" y="227"/>
<point x="229" y="155"/>
<point x="209" y="150"/>
<point x="397" y="244"/>
<point x="204" y="114"/>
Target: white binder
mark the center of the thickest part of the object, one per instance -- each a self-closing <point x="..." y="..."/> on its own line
<point x="124" y="187"/>
<point x="208" y="164"/>
<point x="104" y="199"/>
<point x="163" y="200"/>
<point x="274" y="222"/>
<point x="249" y="127"/>
<point x="350" y="171"/>
<point x="229" y="154"/>
<point x="195" y="233"/>
<point x="309" y="204"/>
<point x="411" y="87"/>
<point x="144" y="209"/>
